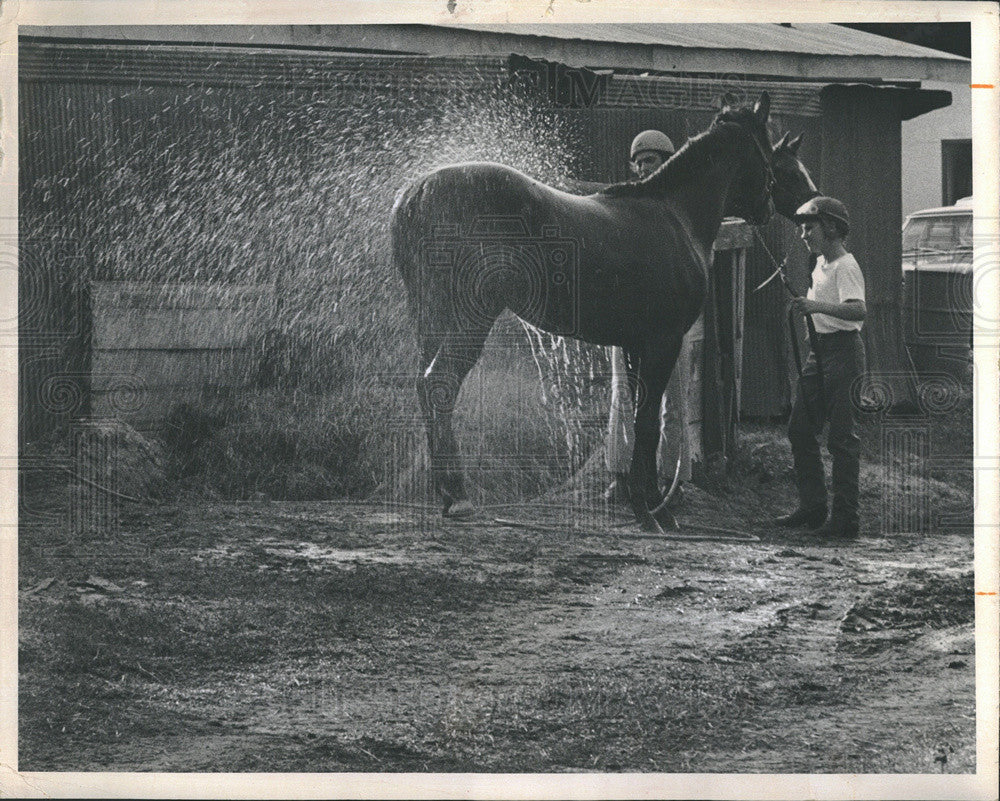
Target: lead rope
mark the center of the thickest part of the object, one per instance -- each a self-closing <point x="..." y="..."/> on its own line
<point x="810" y="331"/>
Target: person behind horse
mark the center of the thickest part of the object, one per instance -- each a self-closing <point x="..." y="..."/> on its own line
<point x="650" y="149"/>
<point x="836" y="303"/>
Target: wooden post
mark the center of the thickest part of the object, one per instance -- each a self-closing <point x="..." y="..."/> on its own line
<point x="861" y="166"/>
<point x="723" y="346"/>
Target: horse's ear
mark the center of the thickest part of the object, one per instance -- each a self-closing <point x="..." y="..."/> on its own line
<point x="762" y="107"/>
<point x="783" y="142"/>
<point x="729" y="99"/>
<point x="794" y="144"/>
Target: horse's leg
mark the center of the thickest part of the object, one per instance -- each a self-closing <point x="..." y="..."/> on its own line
<point x="438" y="390"/>
<point x="655" y="366"/>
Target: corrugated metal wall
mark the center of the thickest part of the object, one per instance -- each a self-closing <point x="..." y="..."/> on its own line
<point x="854" y="164"/>
<point x="119" y="138"/>
<point x="97" y="119"/>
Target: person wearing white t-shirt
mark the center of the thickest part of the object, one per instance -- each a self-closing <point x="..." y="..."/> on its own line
<point x="836" y="303"/>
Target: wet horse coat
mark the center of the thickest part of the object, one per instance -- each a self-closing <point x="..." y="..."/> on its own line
<point x="627" y="266"/>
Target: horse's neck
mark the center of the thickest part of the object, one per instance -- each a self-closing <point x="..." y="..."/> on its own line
<point x="703" y="199"/>
<point x="800" y="197"/>
<point x="804" y="197"/>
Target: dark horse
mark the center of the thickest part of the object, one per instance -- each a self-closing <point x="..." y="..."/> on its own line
<point x="626" y="266"/>
<point x="793" y="185"/>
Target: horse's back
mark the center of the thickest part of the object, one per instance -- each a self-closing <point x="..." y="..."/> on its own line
<point x="475" y="202"/>
<point x="476" y="188"/>
<point x="601" y="267"/>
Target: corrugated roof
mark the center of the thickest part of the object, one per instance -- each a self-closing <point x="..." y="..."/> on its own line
<point x="180" y="65"/>
<point x="818" y="39"/>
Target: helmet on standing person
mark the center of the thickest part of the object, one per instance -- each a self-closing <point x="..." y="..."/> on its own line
<point x="652" y="140"/>
<point x="829" y="208"/>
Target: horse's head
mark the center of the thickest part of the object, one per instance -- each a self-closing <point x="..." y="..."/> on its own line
<point x="750" y="196"/>
<point x="792" y="184"/>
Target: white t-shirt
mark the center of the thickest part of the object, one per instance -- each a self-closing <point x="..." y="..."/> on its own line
<point x="839" y="281"/>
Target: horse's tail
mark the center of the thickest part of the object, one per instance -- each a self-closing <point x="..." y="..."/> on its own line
<point x="408" y="226"/>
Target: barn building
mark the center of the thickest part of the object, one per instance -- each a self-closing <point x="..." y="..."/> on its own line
<point x="83" y="89"/>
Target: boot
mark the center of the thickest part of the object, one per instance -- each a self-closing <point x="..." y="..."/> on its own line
<point x="810" y="518"/>
<point x="837" y="527"/>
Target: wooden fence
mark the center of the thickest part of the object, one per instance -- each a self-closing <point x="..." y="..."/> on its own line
<point x="155" y="346"/>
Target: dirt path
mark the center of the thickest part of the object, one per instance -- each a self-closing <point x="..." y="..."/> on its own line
<point x="336" y="637"/>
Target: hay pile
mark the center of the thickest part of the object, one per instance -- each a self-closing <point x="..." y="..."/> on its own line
<point x="111" y="460"/>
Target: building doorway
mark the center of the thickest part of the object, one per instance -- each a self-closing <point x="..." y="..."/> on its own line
<point x="956" y="170"/>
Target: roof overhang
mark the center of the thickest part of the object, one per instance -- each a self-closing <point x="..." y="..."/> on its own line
<point x="438" y="40"/>
<point x="912" y="101"/>
<point x="562" y="84"/>
<point x="577" y="86"/>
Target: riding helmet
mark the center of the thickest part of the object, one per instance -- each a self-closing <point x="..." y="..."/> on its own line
<point x="651" y="140"/>
<point x="828" y="207"/>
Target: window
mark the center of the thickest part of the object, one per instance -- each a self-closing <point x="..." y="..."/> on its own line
<point x="964" y="236"/>
<point x="912" y="234"/>
<point x="956" y="170"/>
<point x="942" y="242"/>
<point x="940" y="235"/>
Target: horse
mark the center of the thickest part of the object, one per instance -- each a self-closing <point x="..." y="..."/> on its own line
<point x="793" y="184"/>
<point x="625" y="266"/>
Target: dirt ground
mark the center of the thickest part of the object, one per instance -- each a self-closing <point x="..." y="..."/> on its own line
<point x="323" y="636"/>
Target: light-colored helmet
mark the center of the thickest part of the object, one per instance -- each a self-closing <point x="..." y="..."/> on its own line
<point x="651" y="140"/>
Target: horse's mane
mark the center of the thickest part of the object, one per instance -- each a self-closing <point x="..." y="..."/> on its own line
<point x="687" y="162"/>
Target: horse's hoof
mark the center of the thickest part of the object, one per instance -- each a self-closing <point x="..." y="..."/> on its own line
<point x="460" y="509"/>
<point x="666" y="519"/>
<point x="648" y="524"/>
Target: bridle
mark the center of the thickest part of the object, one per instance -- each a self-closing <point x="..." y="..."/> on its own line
<point x="765" y="158"/>
<point x="791" y="198"/>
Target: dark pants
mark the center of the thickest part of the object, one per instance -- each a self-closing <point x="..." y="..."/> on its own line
<point x="828" y="397"/>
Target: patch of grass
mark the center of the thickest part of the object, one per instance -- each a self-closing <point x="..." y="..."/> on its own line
<point x="346" y="421"/>
<point x="60" y="715"/>
<point x="158" y="642"/>
<point x="292" y="446"/>
<point x="345" y="440"/>
<point x="603" y="721"/>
